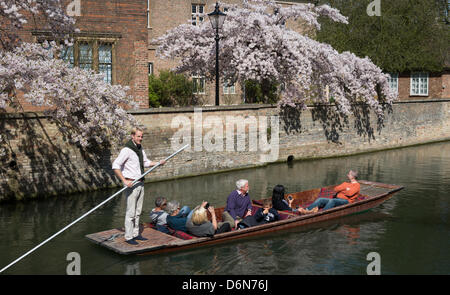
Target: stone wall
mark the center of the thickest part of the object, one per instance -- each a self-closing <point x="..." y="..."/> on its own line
<point x="36" y="161"/>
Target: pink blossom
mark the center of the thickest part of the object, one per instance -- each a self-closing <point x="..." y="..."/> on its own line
<point x="84" y="107"/>
<point x="256" y="44"/>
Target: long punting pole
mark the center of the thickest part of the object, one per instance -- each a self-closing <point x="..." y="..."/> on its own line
<point x="89" y="212"/>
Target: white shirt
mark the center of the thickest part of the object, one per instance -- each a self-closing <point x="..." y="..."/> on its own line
<point x="128" y="162"/>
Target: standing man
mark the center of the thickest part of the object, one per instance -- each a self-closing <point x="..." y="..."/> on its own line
<point x="239" y="204"/>
<point x="128" y="166"/>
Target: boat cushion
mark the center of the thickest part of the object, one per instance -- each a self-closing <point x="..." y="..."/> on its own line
<point x="329" y="194"/>
<point x="326" y="193"/>
<point x="176" y="233"/>
<point x="182" y="235"/>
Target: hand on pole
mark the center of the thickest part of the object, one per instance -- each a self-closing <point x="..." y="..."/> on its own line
<point x="128" y="183"/>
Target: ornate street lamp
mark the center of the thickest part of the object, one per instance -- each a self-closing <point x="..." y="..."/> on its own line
<point x="217" y="18"/>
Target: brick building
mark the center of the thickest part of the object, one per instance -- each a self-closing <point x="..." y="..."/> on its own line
<point x="116" y="36"/>
<point x="112" y="40"/>
<point x="421" y="85"/>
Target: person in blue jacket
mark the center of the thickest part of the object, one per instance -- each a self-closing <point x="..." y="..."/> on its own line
<point x="177" y="217"/>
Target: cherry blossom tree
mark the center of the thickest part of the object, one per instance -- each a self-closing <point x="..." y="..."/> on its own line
<point x="257" y="45"/>
<point x="85" y="108"/>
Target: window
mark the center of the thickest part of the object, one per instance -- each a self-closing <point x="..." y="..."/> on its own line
<point x="85" y="56"/>
<point x="105" y="62"/>
<point x="197" y="11"/>
<point x="199" y="84"/>
<point x="393" y="82"/>
<point x="150" y="68"/>
<point x="229" y="88"/>
<point x="91" y="55"/>
<point x="419" y="84"/>
<point x="89" y="52"/>
<point x="67" y="55"/>
<point x="148" y="14"/>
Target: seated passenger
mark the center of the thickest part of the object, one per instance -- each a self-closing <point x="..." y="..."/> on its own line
<point x="158" y="216"/>
<point x="262" y="215"/>
<point x="266" y="213"/>
<point x="177" y="218"/>
<point x="200" y="226"/>
<point x="239" y="204"/>
<point x="278" y="200"/>
<point x="347" y="192"/>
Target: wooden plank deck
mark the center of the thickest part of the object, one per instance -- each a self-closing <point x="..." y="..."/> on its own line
<point x="114" y="239"/>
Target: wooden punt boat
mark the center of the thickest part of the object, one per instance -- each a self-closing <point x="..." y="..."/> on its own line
<point x="372" y="194"/>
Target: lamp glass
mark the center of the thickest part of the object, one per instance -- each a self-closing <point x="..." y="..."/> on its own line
<point x="217" y="18"/>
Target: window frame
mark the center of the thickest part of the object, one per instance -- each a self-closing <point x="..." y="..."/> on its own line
<point x="151" y="69"/>
<point x="196" y="19"/>
<point x="81" y="63"/>
<point x="227" y="88"/>
<point x="107" y="78"/>
<point x="419" y="75"/>
<point x="198" y="78"/>
<point x="393" y="77"/>
<point x="93" y="38"/>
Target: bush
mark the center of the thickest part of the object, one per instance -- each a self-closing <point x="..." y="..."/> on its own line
<point x="170" y="89"/>
<point x="261" y="92"/>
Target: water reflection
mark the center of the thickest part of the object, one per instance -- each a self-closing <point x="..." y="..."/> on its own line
<point x="411" y="231"/>
<point x="132" y="269"/>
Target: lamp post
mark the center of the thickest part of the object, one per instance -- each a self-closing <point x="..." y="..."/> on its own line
<point x="217" y="18"/>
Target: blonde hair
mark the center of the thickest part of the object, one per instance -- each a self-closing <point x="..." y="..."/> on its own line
<point x="135" y="129"/>
<point x="199" y="216"/>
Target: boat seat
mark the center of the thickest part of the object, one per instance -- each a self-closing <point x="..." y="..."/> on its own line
<point x="329" y="193"/>
<point x="283" y="214"/>
<point x="176" y="233"/>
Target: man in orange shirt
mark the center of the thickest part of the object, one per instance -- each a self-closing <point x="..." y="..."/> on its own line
<point x="346" y="193"/>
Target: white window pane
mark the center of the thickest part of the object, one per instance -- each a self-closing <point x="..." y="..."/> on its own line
<point x="419" y="84"/>
<point x="393" y="81"/>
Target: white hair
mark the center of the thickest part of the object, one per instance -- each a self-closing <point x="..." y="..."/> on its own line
<point x="172" y="206"/>
<point x="240" y="183"/>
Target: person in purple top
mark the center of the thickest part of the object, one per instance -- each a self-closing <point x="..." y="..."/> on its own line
<point x="239" y="204"/>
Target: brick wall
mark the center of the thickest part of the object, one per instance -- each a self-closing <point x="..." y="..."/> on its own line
<point x="446" y="84"/>
<point x="435" y="90"/>
<point x="37" y="162"/>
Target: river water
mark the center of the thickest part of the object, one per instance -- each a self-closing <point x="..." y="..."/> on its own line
<point x="410" y="232"/>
